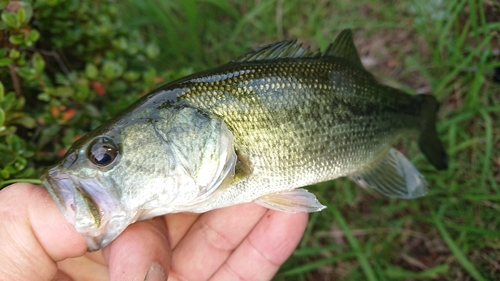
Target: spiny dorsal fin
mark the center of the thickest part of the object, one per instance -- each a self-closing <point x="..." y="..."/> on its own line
<point x="284" y="49"/>
<point x="342" y="47"/>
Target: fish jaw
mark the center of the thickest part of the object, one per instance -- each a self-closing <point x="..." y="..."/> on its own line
<point x="100" y="222"/>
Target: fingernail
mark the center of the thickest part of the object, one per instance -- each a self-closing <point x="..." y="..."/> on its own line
<point x="155" y="273"/>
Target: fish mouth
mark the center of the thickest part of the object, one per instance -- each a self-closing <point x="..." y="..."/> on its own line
<point x="60" y="187"/>
<point x="76" y="199"/>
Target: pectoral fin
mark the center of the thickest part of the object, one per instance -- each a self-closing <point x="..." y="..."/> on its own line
<point x="394" y="176"/>
<point x="293" y="201"/>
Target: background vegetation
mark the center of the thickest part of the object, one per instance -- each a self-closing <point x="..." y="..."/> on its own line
<point x="66" y="66"/>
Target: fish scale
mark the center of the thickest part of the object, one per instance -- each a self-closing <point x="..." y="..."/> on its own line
<point x="256" y="129"/>
<point x="282" y="119"/>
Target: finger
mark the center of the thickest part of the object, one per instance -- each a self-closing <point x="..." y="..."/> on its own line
<point x="92" y="267"/>
<point x="178" y="225"/>
<point x="34" y="231"/>
<point x="83" y="269"/>
<point x="141" y="251"/>
<point x="97" y="257"/>
<point x="211" y="239"/>
<point x="61" y="276"/>
<point x="269" y="244"/>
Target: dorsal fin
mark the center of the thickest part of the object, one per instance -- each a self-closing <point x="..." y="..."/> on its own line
<point x="283" y="49"/>
<point x="342" y="47"/>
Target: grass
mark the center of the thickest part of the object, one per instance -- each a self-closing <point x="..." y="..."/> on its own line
<point x="441" y="47"/>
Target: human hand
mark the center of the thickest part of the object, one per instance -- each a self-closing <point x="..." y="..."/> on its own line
<point x="240" y="242"/>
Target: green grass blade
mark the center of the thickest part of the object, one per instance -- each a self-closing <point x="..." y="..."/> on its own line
<point x="459" y="255"/>
<point x="365" y="265"/>
<point x="489" y="144"/>
<point x="316" y="250"/>
<point x="453" y="14"/>
<point x="309" y="229"/>
<point x="431" y="273"/>
<point x="444" y="81"/>
<point x="248" y="17"/>
<point x="316" y="264"/>
<point x="226" y="7"/>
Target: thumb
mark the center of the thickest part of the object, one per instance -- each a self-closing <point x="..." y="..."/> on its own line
<point x="141" y="252"/>
<point x="34" y="234"/>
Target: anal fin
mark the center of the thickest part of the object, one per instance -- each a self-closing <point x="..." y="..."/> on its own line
<point x="394" y="176"/>
<point x="292" y="201"/>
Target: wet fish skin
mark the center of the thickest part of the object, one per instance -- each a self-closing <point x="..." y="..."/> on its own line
<point x="255" y="129"/>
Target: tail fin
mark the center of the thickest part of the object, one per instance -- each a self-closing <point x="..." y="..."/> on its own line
<point x="428" y="141"/>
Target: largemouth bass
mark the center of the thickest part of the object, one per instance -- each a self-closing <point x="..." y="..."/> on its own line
<point x="256" y="129"/>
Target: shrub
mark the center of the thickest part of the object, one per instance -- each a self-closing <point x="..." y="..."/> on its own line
<point x="65" y="66"/>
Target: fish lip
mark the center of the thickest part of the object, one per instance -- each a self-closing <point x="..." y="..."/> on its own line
<point x="59" y="187"/>
<point x="68" y="192"/>
<point x="64" y="190"/>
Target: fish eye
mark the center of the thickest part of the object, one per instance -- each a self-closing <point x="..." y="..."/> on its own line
<point x="102" y="151"/>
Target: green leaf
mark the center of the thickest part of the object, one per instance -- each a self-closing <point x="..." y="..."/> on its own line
<point x="11" y="169"/>
<point x="64" y="91"/>
<point x="10" y="19"/>
<point x="82" y="89"/>
<point x="112" y="70"/>
<point x="17" y="39"/>
<point x="5" y="131"/>
<point x="21" y="15"/>
<point x="120" y="43"/>
<point x="26" y="173"/>
<point x="91" y="71"/>
<point x="26" y="121"/>
<point x="20" y="101"/>
<point x="149" y="77"/>
<point x="14" y="54"/>
<point x="33" y="36"/>
<point x="15" y="143"/>
<point x="20" y="162"/>
<point x="9" y="101"/>
<point x="28" y="153"/>
<point x="4" y="174"/>
<point x="49" y="133"/>
<point x="2" y="117"/>
<point x="91" y="110"/>
<point x="21" y="61"/>
<point x="27" y="72"/>
<point x="3" y="52"/>
<point x="152" y="51"/>
<point x="38" y="63"/>
<point x="2" y="92"/>
<point x="5" y="61"/>
<point x="43" y="97"/>
<point x="131" y="76"/>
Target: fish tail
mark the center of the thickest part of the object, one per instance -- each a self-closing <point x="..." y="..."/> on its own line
<point x="429" y="143"/>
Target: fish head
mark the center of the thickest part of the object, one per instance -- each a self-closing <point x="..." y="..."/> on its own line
<point x="140" y="168"/>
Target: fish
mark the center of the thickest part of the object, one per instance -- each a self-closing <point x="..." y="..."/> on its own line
<point x="256" y="129"/>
